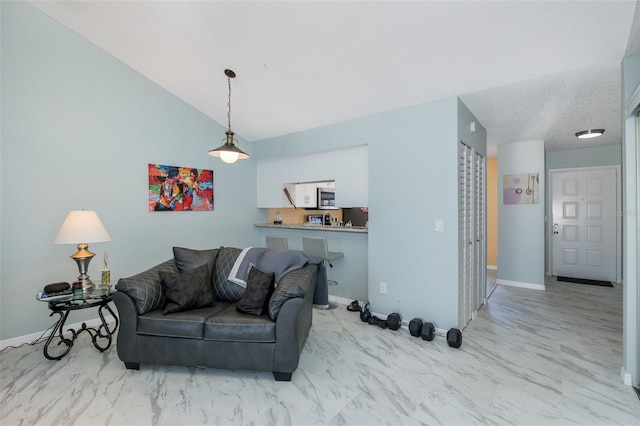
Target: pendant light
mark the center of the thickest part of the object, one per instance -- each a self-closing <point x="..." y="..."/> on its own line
<point x="229" y="152"/>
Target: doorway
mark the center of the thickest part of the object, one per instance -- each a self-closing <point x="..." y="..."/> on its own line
<point x="585" y="233"/>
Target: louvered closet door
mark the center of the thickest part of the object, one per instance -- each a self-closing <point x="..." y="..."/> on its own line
<point x="465" y="243"/>
<point x="479" y="209"/>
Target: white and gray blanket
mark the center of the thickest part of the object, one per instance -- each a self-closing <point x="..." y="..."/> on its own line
<point x="266" y="260"/>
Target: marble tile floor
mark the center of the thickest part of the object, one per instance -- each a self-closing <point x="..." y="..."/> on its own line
<point x="529" y="358"/>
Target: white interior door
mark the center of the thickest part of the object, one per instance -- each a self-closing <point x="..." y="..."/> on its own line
<point x="465" y="235"/>
<point x="480" y="255"/>
<point x="584" y="223"/>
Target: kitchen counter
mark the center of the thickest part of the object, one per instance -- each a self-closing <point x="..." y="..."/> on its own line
<point x="351" y="229"/>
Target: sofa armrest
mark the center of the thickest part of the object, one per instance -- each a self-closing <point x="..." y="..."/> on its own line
<point x="145" y="288"/>
<point x="128" y="315"/>
<point x="292" y="327"/>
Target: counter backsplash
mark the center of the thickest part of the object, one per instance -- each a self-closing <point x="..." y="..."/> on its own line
<point x="291" y="216"/>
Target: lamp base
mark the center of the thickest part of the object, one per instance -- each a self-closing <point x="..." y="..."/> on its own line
<point x="82" y="257"/>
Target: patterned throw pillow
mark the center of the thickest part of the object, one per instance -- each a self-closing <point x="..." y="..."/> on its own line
<point x="145" y="288"/>
<point x="223" y="289"/>
<point x="187" y="290"/>
<point x="295" y="284"/>
<point x="260" y="286"/>
<point x="188" y="259"/>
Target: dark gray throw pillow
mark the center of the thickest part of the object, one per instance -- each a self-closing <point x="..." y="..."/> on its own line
<point x="260" y="286"/>
<point x="187" y="290"/>
<point x="188" y="259"/>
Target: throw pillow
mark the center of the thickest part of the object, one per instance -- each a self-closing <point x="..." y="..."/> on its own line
<point x="223" y="289"/>
<point x="187" y="290"/>
<point x="295" y="284"/>
<point x="188" y="259"/>
<point x="260" y="286"/>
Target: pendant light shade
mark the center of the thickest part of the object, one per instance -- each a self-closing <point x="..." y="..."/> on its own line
<point x="229" y="152"/>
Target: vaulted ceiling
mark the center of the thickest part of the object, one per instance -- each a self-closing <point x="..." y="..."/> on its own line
<point x="527" y="69"/>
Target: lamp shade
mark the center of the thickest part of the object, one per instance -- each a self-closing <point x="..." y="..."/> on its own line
<point x="81" y="226"/>
<point x="228" y="152"/>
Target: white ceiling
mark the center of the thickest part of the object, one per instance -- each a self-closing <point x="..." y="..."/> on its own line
<point x="526" y="69"/>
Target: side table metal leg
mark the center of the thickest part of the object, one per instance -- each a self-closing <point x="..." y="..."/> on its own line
<point x="58" y="327"/>
<point x="107" y="332"/>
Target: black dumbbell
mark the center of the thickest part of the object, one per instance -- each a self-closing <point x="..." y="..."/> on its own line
<point x="428" y="331"/>
<point x="394" y="321"/>
<point x="454" y="338"/>
<point x="415" y="327"/>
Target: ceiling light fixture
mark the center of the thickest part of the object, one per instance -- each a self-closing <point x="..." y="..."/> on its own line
<point x="591" y="133"/>
<point x="229" y="152"/>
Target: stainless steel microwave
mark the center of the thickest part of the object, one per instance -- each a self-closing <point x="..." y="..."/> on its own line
<point x="327" y="199"/>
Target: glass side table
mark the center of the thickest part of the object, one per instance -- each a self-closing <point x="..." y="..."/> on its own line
<point x="100" y="298"/>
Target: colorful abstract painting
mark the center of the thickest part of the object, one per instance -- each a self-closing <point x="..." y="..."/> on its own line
<point x="173" y="188"/>
<point x="520" y="189"/>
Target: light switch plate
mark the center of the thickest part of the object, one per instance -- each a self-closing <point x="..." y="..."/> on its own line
<point x="439" y="225"/>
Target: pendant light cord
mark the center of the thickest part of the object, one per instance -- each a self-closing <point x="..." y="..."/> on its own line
<point x="229" y="103"/>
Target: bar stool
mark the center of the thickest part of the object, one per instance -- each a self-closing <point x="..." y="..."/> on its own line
<point x="277" y="242"/>
<point x="317" y="247"/>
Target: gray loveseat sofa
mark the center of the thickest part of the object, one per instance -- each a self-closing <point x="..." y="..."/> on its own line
<point x="218" y="335"/>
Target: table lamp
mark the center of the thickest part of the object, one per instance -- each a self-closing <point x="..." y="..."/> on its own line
<point x="85" y="226"/>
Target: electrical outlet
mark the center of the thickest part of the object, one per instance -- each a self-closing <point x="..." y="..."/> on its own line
<point x="383" y="287"/>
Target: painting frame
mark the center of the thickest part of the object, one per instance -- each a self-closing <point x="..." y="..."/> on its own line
<point x="179" y="188"/>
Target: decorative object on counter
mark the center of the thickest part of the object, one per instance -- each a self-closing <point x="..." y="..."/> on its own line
<point x="82" y="225"/>
<point x="106" y="273"/>
<point x="173" y="188"/>
<point x="278" y="219"/>
<point x="591" y="133"/>
<point x="228" y="152"/>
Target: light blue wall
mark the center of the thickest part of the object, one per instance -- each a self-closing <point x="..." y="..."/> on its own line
<point x="412" y="181"/>
<point x="586" y="157"/>
<point x="78" y="130"/>
<point x="521" y="236"/>
<point x="630" y="225"/>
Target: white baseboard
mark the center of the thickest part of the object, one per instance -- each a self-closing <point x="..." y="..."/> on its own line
<point x="492" y="267"/>
<point x="44" y="334"/>
<point x="341" y="300"/>
<point x="626" y="377"/>
<point x="521" y="284"/>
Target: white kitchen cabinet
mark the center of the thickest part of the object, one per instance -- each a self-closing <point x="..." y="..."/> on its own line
<point x="306" y="195"/>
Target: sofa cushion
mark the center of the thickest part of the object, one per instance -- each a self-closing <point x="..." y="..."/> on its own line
<point x="223" y="289"/>
<point x="145" y="288"/>
<point x="187" y="290"/>
<point x="230" y="325"/>
<point x="260" y="286"/>
<point x="189" y="324"/>
<point x="188" y="259"/>
<point x="295" y="284"/>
